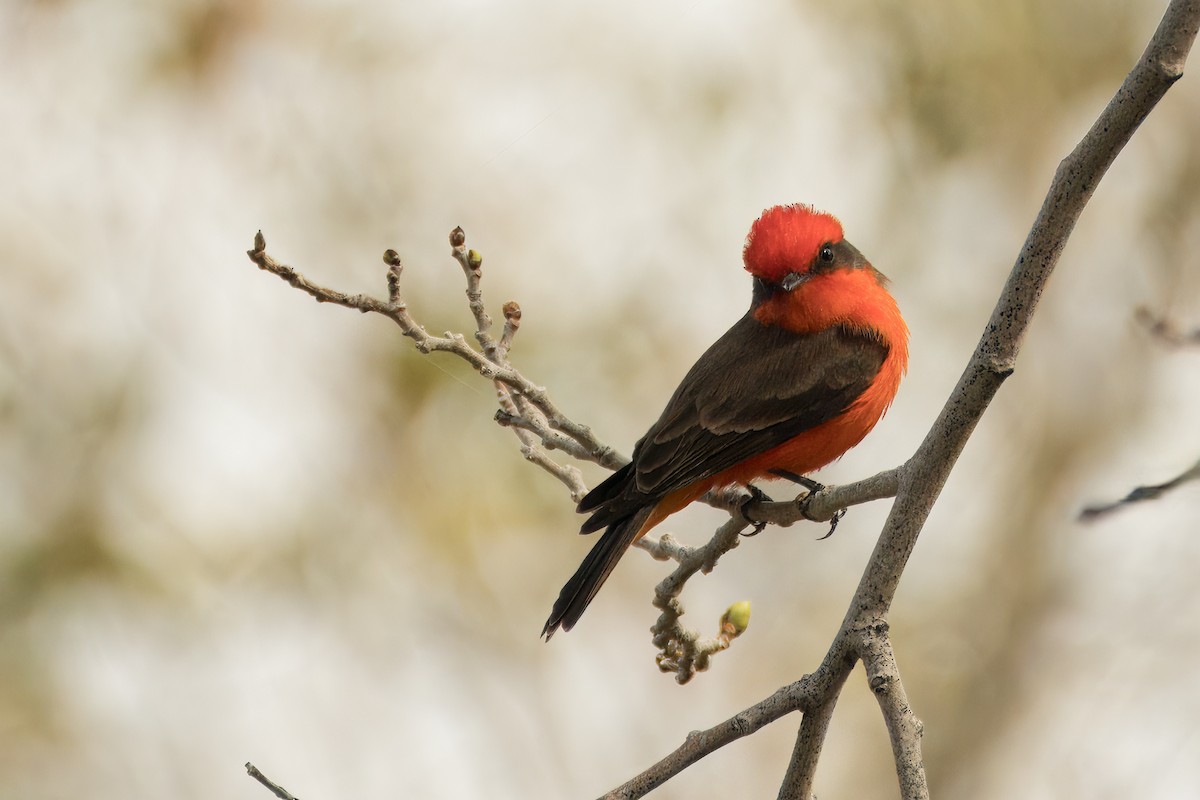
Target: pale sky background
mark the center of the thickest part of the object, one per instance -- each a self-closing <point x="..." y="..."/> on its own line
<point x="239" y="526"/>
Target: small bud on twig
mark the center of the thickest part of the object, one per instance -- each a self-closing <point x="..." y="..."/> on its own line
<point x="391" y="258"/>
<point x="474" y="259"/>
<point x="736" y="619"/>
<point x="512" y="321"/>
<point x="260" y="242"/>
<point x="458" y="237"/>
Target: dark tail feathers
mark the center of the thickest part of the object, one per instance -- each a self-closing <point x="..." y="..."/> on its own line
<point x="595" y="569"/>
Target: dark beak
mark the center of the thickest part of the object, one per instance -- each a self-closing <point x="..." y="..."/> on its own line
<point x="793" y="279"/>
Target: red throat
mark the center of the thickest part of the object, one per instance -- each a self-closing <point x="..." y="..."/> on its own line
<point x="786" y="239"/>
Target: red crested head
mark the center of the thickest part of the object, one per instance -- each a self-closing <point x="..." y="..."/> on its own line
<point x="786" y="240"/>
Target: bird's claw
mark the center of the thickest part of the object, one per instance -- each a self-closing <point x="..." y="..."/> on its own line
<point x="833" y="521"/>
<point x="756" y="495"/>
<point x="813" y="487"/>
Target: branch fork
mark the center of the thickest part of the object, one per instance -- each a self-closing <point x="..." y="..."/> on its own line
<point x="540" y="427"/>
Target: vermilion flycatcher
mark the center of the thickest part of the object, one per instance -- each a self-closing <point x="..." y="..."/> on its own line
<point x="794" y="384"/>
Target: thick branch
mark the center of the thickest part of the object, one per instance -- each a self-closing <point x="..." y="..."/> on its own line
<point x="794" y="697"/>
<point x="920" y="480"/>
<point x="802" y="768"/>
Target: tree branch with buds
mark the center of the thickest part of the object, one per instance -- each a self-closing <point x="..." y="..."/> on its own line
<point x="541" y="429"/>
<point x="525" y="408"/>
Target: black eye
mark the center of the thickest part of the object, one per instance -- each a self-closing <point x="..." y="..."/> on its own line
<point x="826" y="254"/>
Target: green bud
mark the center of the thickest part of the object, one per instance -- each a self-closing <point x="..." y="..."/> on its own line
<point x="736" y="619"/>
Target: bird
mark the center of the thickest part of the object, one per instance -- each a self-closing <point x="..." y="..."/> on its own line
<point x="800" y="379"/>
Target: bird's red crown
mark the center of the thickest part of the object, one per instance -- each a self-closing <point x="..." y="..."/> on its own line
<point x="786" y="239"/>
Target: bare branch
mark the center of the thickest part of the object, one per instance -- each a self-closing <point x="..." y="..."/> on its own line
<point x="1152" y="492"/>
<point x="802" y="768"/>
<point x="516" y="395"/>
<point x="822" y="505"/>
<point x="807" y="695"/>
<point x="904" y="729"/>
<point x="472" y="267"/>
<point x="1167" y="330"/>
<point x="685" y="652"/>
<point x="916" y="485"/>
<point x="793" y="697"/>
<point x="279" y="791"/>
<point x="663" y="548"/>
<point x="921" y="479"/>
<point x="512" y="323"/>
<point x="689" y="653"/>
<point x="680" y="649"/>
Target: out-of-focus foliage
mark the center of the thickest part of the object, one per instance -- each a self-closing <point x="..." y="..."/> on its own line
<point x="976" y="80"/>
<point x="235" y="525"/>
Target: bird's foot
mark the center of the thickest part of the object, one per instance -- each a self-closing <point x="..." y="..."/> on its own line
<point x="813" y="487"/>
<point x="757" y="495"/>
<point x="833" y="521"/>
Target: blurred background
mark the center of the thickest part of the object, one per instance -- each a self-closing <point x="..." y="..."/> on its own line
<point x="238" y="526"/>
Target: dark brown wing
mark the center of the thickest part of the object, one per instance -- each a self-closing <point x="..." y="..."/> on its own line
<point x="755" y="388"/>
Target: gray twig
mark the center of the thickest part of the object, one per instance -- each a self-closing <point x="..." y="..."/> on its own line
<point x="1167" y="330"/>
<point x="1139" y="494"/>
<point x="545" y="426"/>
<point x="279" y="791"/>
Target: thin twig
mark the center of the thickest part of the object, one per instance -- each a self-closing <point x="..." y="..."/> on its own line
<point x="1141" y="493"/>
<point x="1167" y="330"/>
<point x="822" y="505"/>
<point x="491" y="364"/>
<point x="472" y="267"/>
<point x="280" y="792"/>
<point x="512" y="403"/>
<point x="512" y="323"/>
<point x="680" y="649"/>
<point x="684" y="651"/>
